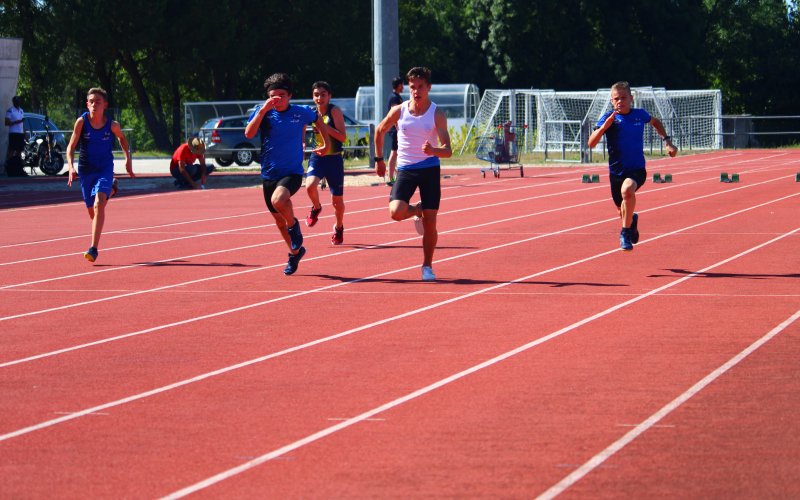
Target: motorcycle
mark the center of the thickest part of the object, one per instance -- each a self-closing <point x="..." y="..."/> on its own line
<point x="41" y="152"/>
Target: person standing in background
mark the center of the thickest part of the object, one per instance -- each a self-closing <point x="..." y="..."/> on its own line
<point x="394" y="100"/>
<point x="16" y="138"/>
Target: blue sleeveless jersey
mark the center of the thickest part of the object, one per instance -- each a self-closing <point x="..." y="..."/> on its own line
<point x="282" y="140"/>
<point x="625" y="140"/>
<point x="96" y="147"/>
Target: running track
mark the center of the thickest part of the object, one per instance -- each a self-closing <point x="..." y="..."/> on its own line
<point x="543" y="362"/>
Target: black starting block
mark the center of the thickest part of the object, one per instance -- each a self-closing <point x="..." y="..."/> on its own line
<point x="590" y="179"/>
<point x="658" y="179"/>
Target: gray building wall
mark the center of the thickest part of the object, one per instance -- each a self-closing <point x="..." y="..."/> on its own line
<point x="10" y="53"/>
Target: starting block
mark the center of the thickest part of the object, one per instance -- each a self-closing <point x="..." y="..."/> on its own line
<point x="797" y="177"/>
<point x="723" y="177"/>
<point x="658" y="179"/>
<point x="589" y="179"/>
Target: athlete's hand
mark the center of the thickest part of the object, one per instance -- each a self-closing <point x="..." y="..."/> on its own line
<point x="71" y="176"/>
<point x="672" y="151"/>
<point x="380" y="168"/>
<point x="428" y="149"/>
<point x="610" y="120"/>
<point x="273" y="102"/>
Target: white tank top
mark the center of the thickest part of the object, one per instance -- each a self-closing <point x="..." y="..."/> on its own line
<point x="412" y="132"/>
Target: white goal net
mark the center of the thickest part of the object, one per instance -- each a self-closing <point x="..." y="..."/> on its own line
<point x="553" y="120"/>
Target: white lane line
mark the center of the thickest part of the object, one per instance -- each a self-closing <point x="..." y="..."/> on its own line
<point x="315" y="235"/>
<point x="457" y="376"/>
<point x="329" y="287"/>
<point x="134" y="230"/>
<point x="262" y="213"/>
<point x="656" y="417"/>
<point x="79" y="201"/>
<point x="258" y="304"/>
<point x="82" y="274"/>
<point x="367" y="326"/>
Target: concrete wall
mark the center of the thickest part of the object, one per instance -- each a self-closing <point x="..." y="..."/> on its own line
<point x="10" y="53"/>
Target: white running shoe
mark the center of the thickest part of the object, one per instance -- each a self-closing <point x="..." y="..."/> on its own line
<point x="427" y="274"/>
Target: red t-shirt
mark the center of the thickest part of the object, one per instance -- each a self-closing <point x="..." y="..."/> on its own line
<point x="184" y="154"/>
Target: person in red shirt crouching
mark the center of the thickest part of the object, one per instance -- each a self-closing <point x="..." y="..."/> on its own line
<point x="188" y="165"/>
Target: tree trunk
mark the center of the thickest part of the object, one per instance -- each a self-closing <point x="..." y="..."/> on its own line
<point x="176" y="113"/>
<point x="154" y="125"/>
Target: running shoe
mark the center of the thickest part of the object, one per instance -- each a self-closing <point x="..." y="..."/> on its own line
<point x="337" y="238"/>
<point x="114" y="188"/>
<point x="91" y="254"/>
<point x="427" y="274"/>
<point x="313" y="215"/>
<point x="635" y="229"/>
<point x="294" y="261"/>
<point x="625" y="239"/>
<point x="295" y="235"/>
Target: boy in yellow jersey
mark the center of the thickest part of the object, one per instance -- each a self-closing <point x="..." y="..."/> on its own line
<point x="329" y="164"/>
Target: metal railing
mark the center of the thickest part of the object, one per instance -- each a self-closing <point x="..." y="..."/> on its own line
<point x="362" y="137"/>
<point x="697" y="132"/>
<point x="68" y="134"/>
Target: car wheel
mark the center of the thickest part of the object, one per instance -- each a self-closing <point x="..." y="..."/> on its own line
<point x="224" y="162"/>
<point x="244" y="155"/>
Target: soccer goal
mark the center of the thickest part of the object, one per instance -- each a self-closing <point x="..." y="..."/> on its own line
<point x="555" y="121"/>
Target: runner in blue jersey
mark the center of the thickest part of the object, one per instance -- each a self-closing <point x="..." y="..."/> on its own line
<point x="95" y="133"/>
<point x="282" y="127"/>
<point x="623" y="127"/>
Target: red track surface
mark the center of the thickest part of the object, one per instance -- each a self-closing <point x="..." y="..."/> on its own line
<point x="543" y="361"/>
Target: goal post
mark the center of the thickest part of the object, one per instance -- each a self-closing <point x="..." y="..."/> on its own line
<point x="562" y="120"/>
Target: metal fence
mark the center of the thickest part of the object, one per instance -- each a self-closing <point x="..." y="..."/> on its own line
<point x="688" y="133"/>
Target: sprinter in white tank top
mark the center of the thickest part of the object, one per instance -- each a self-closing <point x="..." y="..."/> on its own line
<point x="422" y="139"/>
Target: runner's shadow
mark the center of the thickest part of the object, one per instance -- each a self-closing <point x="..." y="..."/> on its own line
<point x="464" y="281"/>
<point x="390" y="247"/>
<point x="750" y="276"/>
<point x="186" y="263"/>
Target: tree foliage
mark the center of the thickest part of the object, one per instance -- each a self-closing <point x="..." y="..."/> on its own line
<point x="153" y="56"/>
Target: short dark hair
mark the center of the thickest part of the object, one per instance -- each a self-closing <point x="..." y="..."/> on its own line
<point x="98" y="90"/>
<point x="398" y="80"/>
<point x="278" y="81"/>
<point x="420" y="72"/>
<point x="322" y="85"/>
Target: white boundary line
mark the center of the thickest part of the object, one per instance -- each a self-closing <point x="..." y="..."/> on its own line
<point x="656" y="417"/>
<point x="436" y="385"/>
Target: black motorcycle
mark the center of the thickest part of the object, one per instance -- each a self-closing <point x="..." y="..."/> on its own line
<point x="41" y="152"/>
